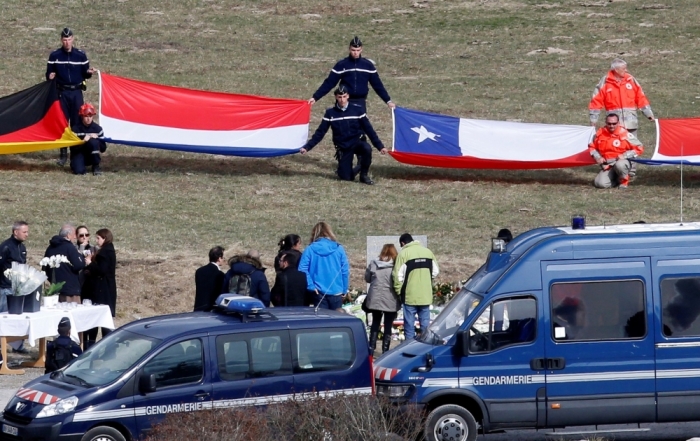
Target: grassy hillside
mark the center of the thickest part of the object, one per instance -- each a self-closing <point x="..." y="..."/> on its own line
<point x="528" y="60"/>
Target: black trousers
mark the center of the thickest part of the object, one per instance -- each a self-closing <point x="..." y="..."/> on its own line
<point x="363" y="151"/>
<point x="83" y="155"/>
<point x="71" y="100"/>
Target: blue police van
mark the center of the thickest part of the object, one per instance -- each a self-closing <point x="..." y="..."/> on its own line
<point x="561" y="327"/>
<point x="238" y="355"/>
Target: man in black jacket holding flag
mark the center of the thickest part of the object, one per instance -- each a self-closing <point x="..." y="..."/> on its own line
<point x="70" y="67"/>
<point x="349" y="123"/>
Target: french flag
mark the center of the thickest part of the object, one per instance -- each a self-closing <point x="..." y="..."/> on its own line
<point x="151" y="115"/>
<point x="434" y="140"/>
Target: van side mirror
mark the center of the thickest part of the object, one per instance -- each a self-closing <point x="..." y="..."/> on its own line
<point x="147" y="383"/>
<point x="462" y="343"/>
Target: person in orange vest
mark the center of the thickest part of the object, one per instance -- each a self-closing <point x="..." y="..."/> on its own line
<point x="612" y="148"/>
<point x="619" y="92"/>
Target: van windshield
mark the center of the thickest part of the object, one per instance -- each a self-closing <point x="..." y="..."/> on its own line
<point x="451" y="318"/>
<point x="107" y="360"/>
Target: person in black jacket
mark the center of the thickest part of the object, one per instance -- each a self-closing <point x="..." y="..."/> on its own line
<point x="100" y="279"/>
<point x="69" y="272"/>
<point x="62" y="350"/>
<point x="208" y="280"/>
<point x="12" y="250"/>
<point x="290" y="283"/>
<point x="349" y="123"/>
<point x="93" y="136"/>
<point x="70" y="67"/>
<point x="253" y="278"/>
<point x="356" y="74"/>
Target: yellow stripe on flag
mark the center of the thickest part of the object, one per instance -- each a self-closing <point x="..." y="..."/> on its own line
<point x="66" y="140"/>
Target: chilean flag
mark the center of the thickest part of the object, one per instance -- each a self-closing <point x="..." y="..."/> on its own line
<point x="443" y="141"/>
<point x="677" y="141"/>
<point x="152" y="115"/>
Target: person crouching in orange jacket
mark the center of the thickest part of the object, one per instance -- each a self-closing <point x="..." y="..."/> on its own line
<point x="612" y="148"/>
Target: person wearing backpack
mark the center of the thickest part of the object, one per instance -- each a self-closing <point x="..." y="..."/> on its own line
<point x="62" y="350"/>
<point x="247" y="277"/>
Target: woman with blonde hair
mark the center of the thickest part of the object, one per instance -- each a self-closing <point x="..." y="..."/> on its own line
<point x="381" y="297"/>
<point x="326" y="267"/>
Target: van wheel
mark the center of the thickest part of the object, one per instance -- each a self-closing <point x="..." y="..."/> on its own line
<point x="450" y="423"/>
<point x="103" y="433"/>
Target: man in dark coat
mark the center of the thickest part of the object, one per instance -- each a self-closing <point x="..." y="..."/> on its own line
<point x="62" y="244"/>
<point x="349" y="124"/>
<point x="290" y="283"/>
<point x="62" y="350"/>
<point x="70" y="67"/>
<point x="208" y="281"/>
<point x="12" y="250"/>
<point x="248" y="267"/>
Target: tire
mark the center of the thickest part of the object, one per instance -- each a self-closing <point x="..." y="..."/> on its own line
<point x="103" y="433"/>
<point x="450" y="423"/>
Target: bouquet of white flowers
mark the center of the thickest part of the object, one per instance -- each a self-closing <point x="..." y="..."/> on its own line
<point x="54" y="262"/>
<point x="24" y="278"/>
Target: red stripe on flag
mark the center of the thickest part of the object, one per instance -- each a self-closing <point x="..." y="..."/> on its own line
<point x="579" y="160"/>
<point x="50" y="128"/>
<point x="679" y="137"/>
<point x="167" y="106"/>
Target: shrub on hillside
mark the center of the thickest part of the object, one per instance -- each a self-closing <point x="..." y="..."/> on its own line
<point x="340" y="418"/>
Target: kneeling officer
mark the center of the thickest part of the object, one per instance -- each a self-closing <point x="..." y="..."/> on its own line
<point x="349" y="123"/>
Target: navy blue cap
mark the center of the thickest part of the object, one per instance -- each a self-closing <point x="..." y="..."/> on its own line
<point x="341" y="90"/>
<point x="356" y="42"/>
<point x="66" y="32"/>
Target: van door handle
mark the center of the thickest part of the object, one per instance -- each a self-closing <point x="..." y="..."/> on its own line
<point x="556" y="364"/>
<point x="537" y="364"/>
<point x="201" y="395"/>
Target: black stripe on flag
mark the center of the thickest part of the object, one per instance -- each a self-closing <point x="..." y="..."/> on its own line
<point x="27" y="107"/>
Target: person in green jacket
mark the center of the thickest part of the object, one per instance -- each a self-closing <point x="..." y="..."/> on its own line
<point x="413" y="275"/>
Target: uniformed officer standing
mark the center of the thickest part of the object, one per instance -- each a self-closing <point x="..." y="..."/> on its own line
<point x="71" y="67"/>
<point x="349" y="123"/>
<point x="356" y="74"/>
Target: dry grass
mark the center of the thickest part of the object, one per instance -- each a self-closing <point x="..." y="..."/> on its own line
<point x="465" y="58"/>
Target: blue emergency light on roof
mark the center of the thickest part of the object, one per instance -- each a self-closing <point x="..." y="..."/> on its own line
<point x="578" y="222"/>
<point x="239" y="304"/>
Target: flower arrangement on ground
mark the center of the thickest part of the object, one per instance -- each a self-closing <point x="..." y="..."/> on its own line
<point x="54" y="262"/>
<point x="24" y="278"/>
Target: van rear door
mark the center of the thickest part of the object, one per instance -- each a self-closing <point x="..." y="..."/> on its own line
<point x="599" y="348"/>
<point x="678" y="338"/>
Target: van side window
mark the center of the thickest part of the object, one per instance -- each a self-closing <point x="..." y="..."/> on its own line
<point x="504" y="323"/>
<point x="253" y="355"/>
<point x="680" y="303"/>
<point x="323" y="350"/>
<point x="599" y="310"/>
<point x="178" y="364"/>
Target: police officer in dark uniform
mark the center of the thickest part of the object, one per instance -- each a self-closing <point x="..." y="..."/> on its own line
<point x="356" y="74"/>
<point x="349" y="123"/>
<point x="94" y="145"/>
<point x="71" y="67"/>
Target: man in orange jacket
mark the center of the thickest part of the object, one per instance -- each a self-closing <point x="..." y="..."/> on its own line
<point x="619" y="92"/>
<point x="612" y="148"/>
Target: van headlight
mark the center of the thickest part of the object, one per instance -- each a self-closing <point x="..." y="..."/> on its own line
<point x="394" y="390"/>
<point x="59" y="407"/>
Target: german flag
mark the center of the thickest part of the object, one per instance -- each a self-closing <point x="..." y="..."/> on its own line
<point x="33" y="120"/>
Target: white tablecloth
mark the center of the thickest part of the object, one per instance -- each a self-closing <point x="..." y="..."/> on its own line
<point x="44" y="323"/>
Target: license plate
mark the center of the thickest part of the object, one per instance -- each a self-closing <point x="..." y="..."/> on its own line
<point x="10" y="430"/>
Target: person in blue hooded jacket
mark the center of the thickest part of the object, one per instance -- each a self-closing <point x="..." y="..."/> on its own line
<point x="326" y="267"/>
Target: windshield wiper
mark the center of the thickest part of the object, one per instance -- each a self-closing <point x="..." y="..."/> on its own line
<point x="81" y="382"/>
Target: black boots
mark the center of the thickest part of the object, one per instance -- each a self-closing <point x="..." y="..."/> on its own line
<point x="366" y="180"/>
<point x="62" y="157"/>
<point x="373" y="342"/>
<point x="386" y="343"/>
